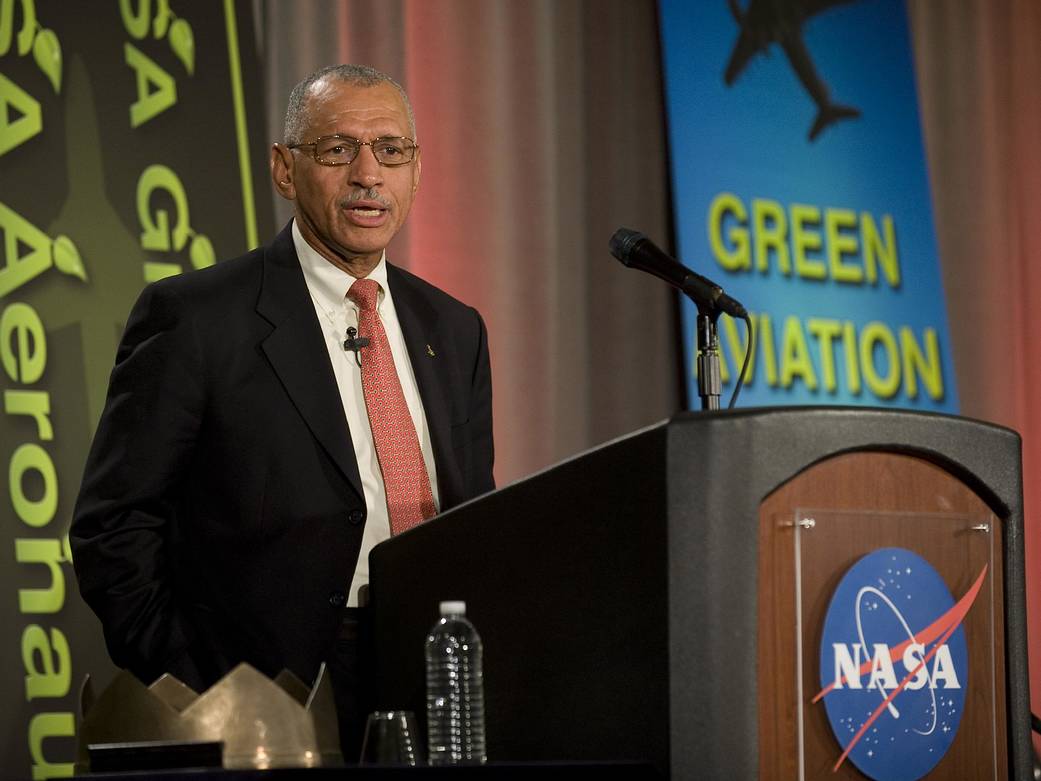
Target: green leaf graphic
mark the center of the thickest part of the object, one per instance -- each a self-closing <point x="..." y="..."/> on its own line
<point x="67" y="258"/>
<point x="182" y="41"/>
<point x="162" y="19"/>
<point x="47" y="53"/>
<point x="201" y="252"/>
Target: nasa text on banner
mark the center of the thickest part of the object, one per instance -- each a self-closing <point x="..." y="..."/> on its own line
<point x="129" y="151"/>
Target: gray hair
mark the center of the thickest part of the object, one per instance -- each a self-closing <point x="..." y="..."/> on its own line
<point x="357" y="75"/>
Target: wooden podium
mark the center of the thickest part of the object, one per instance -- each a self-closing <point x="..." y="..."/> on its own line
<point x="660" y="597"/>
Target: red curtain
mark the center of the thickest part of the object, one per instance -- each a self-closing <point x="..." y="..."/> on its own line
<point x="542" y="129"/>
<point x="979" y="67"/>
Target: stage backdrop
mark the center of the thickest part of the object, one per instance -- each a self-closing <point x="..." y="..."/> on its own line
<point x="800" y="186"/>
<point x="127" y="154"/>
<point x="574" y="87"/>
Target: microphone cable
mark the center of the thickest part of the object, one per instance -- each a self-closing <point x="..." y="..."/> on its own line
<point x="748" y="357"/>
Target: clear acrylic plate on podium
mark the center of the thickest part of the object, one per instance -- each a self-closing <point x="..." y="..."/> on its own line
<point x="881" y="628"/>
<point x="897" y="671"/>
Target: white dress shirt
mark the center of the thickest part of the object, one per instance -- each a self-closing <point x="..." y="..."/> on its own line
<point x="328" y="286"/>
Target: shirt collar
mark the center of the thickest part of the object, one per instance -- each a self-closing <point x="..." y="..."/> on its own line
<point x="328" y="283"/>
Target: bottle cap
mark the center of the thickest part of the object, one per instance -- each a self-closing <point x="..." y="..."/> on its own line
<point x="453" y="608"/>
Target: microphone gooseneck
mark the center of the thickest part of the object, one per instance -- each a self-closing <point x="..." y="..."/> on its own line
<point x="635" y="250"/>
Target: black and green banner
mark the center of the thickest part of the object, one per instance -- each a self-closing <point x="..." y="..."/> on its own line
<point x="131" y="148"/>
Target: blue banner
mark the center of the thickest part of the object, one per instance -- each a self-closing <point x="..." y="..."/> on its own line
<point x="800" y="186"/>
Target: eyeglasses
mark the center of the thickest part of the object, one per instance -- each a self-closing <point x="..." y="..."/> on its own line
<point x="390" y="151"/>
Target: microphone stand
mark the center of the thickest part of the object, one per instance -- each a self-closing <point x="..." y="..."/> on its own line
<point x="709" y="383"/>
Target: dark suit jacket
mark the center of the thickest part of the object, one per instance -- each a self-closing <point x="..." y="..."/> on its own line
<point x="221" y="512"/>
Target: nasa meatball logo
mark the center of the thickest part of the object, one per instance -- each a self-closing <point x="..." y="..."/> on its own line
<point x="894" y="667"/>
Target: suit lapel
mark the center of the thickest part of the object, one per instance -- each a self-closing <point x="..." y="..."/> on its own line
<point x="420" y="326"/>
<point x="297" y="352"/>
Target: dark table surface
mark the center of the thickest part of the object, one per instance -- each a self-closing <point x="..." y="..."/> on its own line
<point x="507" y="771"/>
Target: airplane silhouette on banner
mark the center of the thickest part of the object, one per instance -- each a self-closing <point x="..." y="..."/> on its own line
<point x="765" y="22"/>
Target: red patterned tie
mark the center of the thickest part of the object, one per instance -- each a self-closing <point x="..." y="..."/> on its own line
<point x="409" y="499"/>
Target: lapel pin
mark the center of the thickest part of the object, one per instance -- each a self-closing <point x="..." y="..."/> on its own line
<point x="430" y="351"/>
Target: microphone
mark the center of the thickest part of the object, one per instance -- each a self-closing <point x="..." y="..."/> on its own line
<point x="637" y="251"/>
<point x="353" y="343"/>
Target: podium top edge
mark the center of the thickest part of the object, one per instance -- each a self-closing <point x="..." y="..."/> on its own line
<point x="838" y="412"/>
<point x="818" y="418"/>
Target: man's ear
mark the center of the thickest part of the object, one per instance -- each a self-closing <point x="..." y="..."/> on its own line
<point x="282" y="171"/>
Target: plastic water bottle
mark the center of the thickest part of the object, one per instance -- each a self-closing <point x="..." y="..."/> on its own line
<point x="455" y="690"/>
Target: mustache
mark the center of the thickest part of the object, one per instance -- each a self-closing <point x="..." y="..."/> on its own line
<point x="372" y="194"/>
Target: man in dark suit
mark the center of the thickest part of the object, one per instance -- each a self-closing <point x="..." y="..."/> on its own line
<point x="271" y="418"/>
